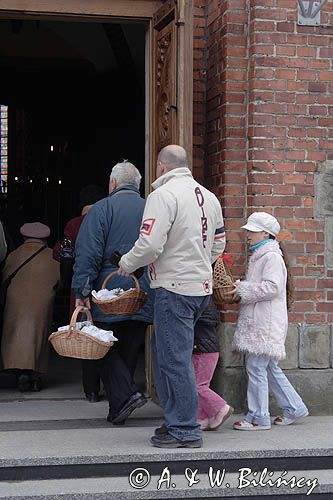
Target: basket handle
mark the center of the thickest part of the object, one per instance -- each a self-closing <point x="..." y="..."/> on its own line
<point x="137" y="284"/>
<point x="75" y="314"/>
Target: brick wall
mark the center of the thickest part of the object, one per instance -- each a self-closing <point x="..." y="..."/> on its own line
<point x="263" y="125"/>
<point x="199" y="88"/>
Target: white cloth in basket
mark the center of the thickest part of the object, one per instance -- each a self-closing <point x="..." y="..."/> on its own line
<point x="88" y="327"/>
<point x="106" y="294"/>
<point x="79" y="326"/>
<point x="104" y="335"/>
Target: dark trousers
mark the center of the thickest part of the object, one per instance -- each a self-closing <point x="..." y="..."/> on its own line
<point x="90" y="375"/>
<point x="118" y="366"/>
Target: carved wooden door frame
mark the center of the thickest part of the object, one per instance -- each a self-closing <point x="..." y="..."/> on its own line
<point x="172" y="38"/>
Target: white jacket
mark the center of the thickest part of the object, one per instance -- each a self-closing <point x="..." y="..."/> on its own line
<point x="182" y="234"/>
<point x="263" y="319"/>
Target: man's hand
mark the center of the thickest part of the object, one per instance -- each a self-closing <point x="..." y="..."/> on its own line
<point x="138" y="273"/>
<point x="122" y="272"/>
<point x="83" y="302"/>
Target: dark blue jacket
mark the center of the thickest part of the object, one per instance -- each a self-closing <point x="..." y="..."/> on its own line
<point x="111" y="224"/>
<point x="206" y="330"/>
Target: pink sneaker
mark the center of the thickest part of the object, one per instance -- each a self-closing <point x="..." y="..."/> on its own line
<point x="220" y="417"/>
<point x="204" y="424"/>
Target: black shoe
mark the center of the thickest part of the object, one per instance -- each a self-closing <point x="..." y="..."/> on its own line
<point x="36" y="385"/>
<point x="111" y="416"/>
<point x="23" y="382"/>
<point x="161" y="431"/>
<point x="135" y="401"/>
<point x="93" y="397"/>
<point x="168" y="441"/>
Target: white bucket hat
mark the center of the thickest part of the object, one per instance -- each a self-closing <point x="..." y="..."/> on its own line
<point x="261" y="221"/>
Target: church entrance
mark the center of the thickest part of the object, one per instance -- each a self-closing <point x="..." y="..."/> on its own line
<point x="85" y="85"/>
<point x="75" y="99"/>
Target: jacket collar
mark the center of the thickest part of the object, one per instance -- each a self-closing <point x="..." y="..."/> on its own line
<point x="172" y="174"/>
<point x="37" y="241"/>
<point x="270" y="246"/>
<point x="125" y="188"/>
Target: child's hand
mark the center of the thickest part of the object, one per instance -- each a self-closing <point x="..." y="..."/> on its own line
<point x="234" y="294"/>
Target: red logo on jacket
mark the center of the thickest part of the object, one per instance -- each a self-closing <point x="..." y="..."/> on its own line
<point x="147" y="226"/>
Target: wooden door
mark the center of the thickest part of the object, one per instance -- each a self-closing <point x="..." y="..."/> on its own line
<point x="172" y="68"/>
<point x="171" y="96"/>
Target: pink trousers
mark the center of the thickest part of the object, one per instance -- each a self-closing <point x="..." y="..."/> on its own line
<point x="209" y="402"/>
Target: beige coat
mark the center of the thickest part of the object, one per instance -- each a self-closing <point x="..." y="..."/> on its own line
<point x="29" y="307"/>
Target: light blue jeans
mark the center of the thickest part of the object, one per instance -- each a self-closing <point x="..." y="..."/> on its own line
<point x="264" y="374"/>
<point x="172" y="345"/>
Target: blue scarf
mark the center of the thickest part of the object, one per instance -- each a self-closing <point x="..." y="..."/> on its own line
<point x="260" y="244"/>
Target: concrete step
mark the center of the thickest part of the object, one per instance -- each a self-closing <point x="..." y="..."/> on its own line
<point x="297" y="485"/>
<point x="53" y="449"/>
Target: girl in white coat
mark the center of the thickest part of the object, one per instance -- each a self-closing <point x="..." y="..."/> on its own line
<point x="262" y="326"/>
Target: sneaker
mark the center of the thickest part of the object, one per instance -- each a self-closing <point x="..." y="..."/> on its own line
<point x="244" y="425"/>
<point x="168" y="441"/>
<point x="220" y="417"/>
<point x="204" y="424"/>
<point x="288" y="420"/>
<point x="160" y="431"/>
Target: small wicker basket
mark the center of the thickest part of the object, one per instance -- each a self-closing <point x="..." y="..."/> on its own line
<point x="74" y="343"/>
<point x="128" y="302"/>
<point x="223" y="284"/>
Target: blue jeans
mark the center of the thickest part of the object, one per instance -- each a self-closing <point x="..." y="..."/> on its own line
<point x="172" y="345"/>
<point x="264" y="374"/>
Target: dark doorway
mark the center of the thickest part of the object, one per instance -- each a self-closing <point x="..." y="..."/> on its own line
<point x="75" y="93"/>
<point x="73" y="98"/>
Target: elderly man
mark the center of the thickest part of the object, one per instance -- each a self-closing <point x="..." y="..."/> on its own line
<point x="181" y="235"/>
<point x="113" y="223"/>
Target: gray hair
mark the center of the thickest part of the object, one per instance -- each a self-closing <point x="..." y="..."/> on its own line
<point x="125" y="173"/>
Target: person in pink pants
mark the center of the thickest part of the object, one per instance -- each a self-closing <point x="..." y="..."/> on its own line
<point x="213" y="410"/>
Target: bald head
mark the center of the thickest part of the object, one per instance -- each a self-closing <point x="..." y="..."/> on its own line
<point x="173" y="156"/>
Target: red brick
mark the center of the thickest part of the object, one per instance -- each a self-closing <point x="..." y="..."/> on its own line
<point x="326" y="76"/>
<point x="286" y="50"/>
<point x="315" y="318"/>
<point x="303" y="306"/>
<point x="324" y="306"/>
<point x="317" y="87"/>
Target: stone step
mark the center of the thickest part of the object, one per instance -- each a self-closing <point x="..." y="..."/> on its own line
<point x="73" y="452"/>
<point x="67" y="450"/>
<point x="298" y="485"/>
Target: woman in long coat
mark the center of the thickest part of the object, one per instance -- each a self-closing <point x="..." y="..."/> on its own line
<point x="29" y="307"/>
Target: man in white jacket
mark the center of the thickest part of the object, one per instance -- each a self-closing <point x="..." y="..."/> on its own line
<point x="182" y="234"/>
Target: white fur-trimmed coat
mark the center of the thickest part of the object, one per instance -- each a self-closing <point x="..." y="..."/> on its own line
<point x="263" y="319"/>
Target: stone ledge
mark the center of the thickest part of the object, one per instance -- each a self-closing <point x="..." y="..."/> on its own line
<point x="314" y="348"/>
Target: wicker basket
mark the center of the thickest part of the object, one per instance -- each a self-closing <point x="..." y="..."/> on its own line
<point x="128" y="302"/>
<point x="74" y="343"/>
<point x="223" y="283"/>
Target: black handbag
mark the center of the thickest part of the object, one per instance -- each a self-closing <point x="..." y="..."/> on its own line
<point x="67" y="259"/>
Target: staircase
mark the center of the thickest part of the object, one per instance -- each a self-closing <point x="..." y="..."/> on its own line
<point x="65" y="449"/>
